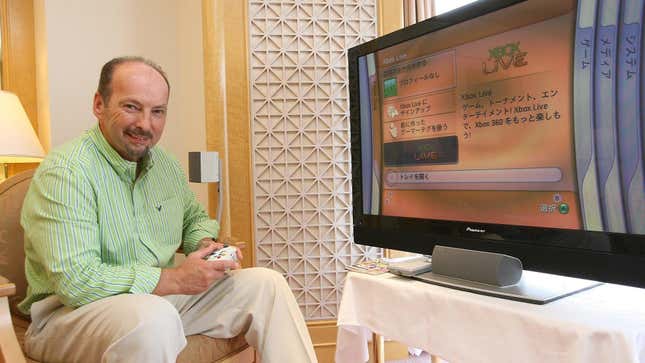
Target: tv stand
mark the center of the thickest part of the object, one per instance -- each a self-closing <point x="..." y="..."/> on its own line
<point x="498" y="275"/>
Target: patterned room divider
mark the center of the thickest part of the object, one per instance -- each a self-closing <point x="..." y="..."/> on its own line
<point x="301" y="143"/>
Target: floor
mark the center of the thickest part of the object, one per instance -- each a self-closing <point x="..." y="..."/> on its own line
<point x="423" y="358"/>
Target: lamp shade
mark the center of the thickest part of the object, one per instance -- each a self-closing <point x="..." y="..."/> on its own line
<point x="18" y="141"/>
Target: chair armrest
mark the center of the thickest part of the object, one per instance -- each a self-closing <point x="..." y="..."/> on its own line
<point x="10" y="350"/>
<point x="7" y="288"/>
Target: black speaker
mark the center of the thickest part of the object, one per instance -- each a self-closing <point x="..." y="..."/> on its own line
<point x="479" y="266"/>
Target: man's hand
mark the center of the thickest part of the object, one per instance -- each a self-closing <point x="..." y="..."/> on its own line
<point x="207" y="242"/>
<point x="195" y="274"/>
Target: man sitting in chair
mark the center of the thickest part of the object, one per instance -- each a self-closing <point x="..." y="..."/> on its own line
<point x="103" y="218"/>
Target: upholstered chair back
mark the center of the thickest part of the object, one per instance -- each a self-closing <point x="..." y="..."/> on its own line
<point x="12" y="253"/>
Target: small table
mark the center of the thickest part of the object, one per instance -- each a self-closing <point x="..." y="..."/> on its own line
<point x="603" y="324"/>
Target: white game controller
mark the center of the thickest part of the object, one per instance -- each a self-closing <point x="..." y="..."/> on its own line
<point x="227" y="253"/>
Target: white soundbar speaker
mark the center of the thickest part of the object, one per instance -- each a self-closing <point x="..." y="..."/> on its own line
<point x="203" y="167"/>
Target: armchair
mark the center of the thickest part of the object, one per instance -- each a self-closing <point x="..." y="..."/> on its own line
<point x="13" y="286"/>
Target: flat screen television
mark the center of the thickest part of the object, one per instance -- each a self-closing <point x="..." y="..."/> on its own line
<point x="506" y="126"/>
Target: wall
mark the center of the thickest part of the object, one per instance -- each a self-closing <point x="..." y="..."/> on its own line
<point x="77" y="37"/>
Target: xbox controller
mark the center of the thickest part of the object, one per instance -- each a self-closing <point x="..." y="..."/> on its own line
<point x="227" y="253"/>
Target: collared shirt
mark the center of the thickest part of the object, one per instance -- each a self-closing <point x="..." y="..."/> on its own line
<point x="94" y="229"/>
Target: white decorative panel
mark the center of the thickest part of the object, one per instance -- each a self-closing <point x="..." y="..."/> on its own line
<point x="301" y="157"/>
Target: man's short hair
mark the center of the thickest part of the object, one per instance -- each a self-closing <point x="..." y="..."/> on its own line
<point x="105" y="80"/>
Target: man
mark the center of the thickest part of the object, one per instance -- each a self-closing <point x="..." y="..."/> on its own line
<point x="103" y="218"/>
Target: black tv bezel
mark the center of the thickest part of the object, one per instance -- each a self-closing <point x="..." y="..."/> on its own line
<point x="549" y="250"/>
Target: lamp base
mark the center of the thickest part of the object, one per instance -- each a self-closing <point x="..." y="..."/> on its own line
<point x="4" y="171"/>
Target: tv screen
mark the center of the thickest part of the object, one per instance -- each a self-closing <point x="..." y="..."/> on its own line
<point x="506" y="126"/>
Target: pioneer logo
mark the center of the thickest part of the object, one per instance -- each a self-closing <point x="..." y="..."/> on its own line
<point x="477" y="230"/>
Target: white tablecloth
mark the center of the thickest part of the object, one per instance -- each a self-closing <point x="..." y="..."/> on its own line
<point x="603" y="324"/>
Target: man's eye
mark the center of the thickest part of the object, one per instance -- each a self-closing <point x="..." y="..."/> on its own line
<point x="131" y="107"/>
<point x="159" y="112"/>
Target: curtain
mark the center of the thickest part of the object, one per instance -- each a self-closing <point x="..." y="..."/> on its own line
<point x="417" y="10"/>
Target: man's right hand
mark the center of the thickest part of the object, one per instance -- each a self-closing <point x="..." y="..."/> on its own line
<point x="194" y="275"/>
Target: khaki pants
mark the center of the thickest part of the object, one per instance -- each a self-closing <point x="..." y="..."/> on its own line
<point x="148" y="328"/>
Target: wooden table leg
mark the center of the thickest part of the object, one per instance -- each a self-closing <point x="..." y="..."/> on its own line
<point x="378" y="348"/>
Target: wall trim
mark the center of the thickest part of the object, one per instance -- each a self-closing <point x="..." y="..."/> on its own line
<point x="226" y="93"/>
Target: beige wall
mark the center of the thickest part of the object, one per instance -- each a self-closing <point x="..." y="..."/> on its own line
<point x="75" y="38"/>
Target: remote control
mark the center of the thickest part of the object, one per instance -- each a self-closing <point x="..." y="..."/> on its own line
<point x="411" y="267"/>
<point x="227" y="253"/>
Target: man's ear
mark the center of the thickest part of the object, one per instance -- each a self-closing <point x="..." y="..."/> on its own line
<point x="98" y="105"/>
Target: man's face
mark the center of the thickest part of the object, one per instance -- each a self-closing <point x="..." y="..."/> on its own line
<point x="133" y="118"/>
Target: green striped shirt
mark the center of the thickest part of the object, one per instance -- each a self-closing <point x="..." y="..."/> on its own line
<point x="93" y="229"/>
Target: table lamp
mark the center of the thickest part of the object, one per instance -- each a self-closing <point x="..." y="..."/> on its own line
<point x="18" y="141"/>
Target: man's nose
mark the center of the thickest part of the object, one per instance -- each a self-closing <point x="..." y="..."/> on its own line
<point x="144" y="121"/>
